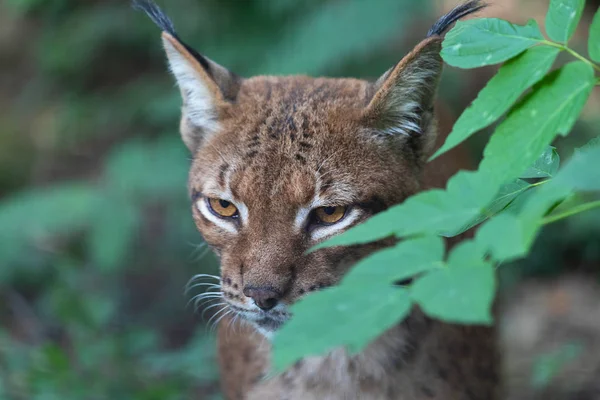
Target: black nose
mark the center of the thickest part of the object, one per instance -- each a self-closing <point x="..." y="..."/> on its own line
<point x="264" y="298"/>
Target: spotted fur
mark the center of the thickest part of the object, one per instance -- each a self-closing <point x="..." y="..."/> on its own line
<point x="280" y="147"/>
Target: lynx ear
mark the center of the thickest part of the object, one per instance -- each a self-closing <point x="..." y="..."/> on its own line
<point x="404" y="96"/>
<point x="403" y="102"/>
<point x="207" y="88"/>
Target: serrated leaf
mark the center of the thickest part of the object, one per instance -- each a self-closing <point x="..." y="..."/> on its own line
<point x="562" y="19"/>
<point x="340" y="316"/>
<point x="582" y="172"/>
<point x="487" y="41"/>
<point x="504" y="237"/>
<point x="499" y="94"/>
<point x="406" y="259"/>
<point x="505" y="196"/>
<point x="594" y="39"/>
<point x="538" y="204"/>
<point x="459" y="293"/>
<point x="553" y="107"/>
<point x="545" y="166"/>
<point x="467" y="252"/>
<point x="430" y="212"/>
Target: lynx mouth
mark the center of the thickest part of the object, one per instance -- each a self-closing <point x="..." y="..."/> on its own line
<point x="267" y="322"/>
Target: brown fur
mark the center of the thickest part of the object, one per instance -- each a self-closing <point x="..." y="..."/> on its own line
<point x="272" y="145"/>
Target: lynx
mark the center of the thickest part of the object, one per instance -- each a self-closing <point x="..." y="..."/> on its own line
<point x="283" y="163"/>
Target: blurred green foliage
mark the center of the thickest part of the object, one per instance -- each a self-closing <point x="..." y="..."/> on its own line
<point x="96" y="239"/>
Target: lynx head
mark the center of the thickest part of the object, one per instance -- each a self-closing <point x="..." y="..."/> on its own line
<point x="283" y="163"/>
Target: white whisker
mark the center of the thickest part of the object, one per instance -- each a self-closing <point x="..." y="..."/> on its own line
<point x="226" y="309"/>
<point x="200" y="303"/>
<point x="214" y="326"/>
<point x="232" y="324"/>
<point x="218" y="278"/>
<point x="203" y="297"/>
<point x="212" y="306"/>
<point x="198" y="276"/>
<point x="210" y="286"/>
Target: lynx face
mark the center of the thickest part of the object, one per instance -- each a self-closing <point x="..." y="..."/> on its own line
<point x="290" y="166"/>
<point x="283" y="163"/>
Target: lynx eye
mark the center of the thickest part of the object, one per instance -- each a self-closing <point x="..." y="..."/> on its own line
<point x="222" y="208"/>
<point x="330" y="215"/>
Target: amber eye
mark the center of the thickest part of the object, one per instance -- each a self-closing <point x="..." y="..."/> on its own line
<point x="330" y="215"/>
<point x="223" y="208"/>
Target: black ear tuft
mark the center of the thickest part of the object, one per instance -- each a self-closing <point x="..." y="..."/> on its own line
<point x="457" y="13"/>
<point x="156" y="14"/>
<point x="164" y="23"/>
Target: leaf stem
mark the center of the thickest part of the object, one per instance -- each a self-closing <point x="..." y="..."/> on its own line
<point x="539" y="183"/>
<point x="571" y="52"/>
<point x="575" y="210"/>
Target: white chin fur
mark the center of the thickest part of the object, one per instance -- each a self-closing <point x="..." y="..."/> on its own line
<point x="266" y="333"/>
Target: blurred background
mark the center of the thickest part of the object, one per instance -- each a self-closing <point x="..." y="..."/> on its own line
<point x="96" y="239"/>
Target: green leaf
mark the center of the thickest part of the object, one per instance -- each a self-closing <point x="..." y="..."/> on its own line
<point x="553" y="107"/>
<point x="594" y="39"/>
<point x="594" y="142"/>
<point x="582" y="172"/>
<point x="434" y="212"/>
<point x="510" y="235"/>
<point x="506" y="195"/>
<point x="562" y="19"/>
<point x="499" y="94"/>
<point x="519" y="202"/>
<point x="461" y="293"/>
<point x="545" y="166"/>
<point x="538" y="204"/>
<point x="340" y="316"/>
<point x="486" y="41"/>
<point x="467" y="252"/>
<point x="406" y="259"/>
<point x="504" y="237"/>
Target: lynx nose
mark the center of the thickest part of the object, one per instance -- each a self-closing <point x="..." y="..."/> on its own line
<point x="264" y="298"/>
